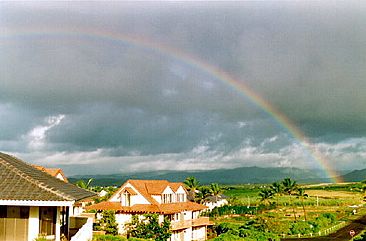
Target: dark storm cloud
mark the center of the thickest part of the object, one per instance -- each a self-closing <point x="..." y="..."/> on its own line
<point x="73" y="93"/>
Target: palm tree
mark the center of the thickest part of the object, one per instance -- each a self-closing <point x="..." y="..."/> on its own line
<point x="301" y="194"/>
<point x="83" y="184"/>
<point x="215" y="190"/>
<point x="192" y="185"/>
<point x="290" y="187"/>
<point x="277" y="189"/>
<point x="202" y="194"/>
<point x="265" y="195"/>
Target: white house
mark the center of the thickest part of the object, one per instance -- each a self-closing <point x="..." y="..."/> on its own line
<point x="137" y="197"/>
<point x="34" y="203"/>
<point x="216" y="201"/>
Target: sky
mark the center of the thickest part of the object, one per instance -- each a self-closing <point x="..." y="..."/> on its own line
<point x="111" y="87"/>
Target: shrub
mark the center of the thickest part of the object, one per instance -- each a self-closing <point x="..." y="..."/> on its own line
<point x="301" y="228"/>
<point x="108" y="238"/>
<point x="149" y="228"/>
<point x="361" y="237"/>
<point x="40" y="239"/>
<point x="228" y="237"/>
<point x="107" y="223"/>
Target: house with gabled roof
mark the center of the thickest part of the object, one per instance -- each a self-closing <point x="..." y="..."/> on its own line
<point x="55" y="172"/>
<point x="34" y="203"/>
<point x="167" y="199"/>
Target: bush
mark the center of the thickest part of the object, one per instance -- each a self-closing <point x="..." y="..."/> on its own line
<point x="325" y="219"/>
<point x="41" y="239"/>
<point x="361" y="237"/>
<point x="115" y="238"/>
<point x="107" y="223"/>
<point x="237" y="209"/>
<point x="108" y="238"/>
<point x="253" y="230"/>
<point x="149" y="228"/>
<point x="228" y="237"/>
<point x="301" y="228"/>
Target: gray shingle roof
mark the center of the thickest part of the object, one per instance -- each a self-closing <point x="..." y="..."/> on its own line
<point x="21" y="181"/>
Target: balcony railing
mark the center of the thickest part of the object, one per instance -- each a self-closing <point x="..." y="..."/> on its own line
<point x="202" y="221"/>
<point x="176" y="225"/>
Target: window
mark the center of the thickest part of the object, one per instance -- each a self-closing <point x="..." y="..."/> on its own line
<point x="168" y="198"/>
<point x="47" y="220"/>
<point x="14" y="222"/>
<point x="126" y="199"/>
<point x="180" y="197"/>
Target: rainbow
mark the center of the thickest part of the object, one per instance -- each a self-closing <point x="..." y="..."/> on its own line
<point x="195" y="62"/>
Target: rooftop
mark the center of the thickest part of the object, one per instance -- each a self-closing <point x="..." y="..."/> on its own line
<point x="52" y="171"/>
<point x="167" y="208"/>
<point x="21" y="181"/>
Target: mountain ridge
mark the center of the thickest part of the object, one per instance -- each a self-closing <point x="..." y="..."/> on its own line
<point x="222" y="176"/>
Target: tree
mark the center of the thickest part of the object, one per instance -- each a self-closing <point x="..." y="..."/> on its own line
<point x="277" y="189"/>
<point x="290" y="187"/>
<point x="108" y="223"/>
<point x="149" y="228"/>
<point x="192" y="185"/>
<point x="301" y="194"/>
<point x="83" y="184"/>
<point x="266" y="195"/>
<point x="202" y="194"/>
<point x="215" y="190"/>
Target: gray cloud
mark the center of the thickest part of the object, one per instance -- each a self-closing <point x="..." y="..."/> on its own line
<point x="306" y="59"/>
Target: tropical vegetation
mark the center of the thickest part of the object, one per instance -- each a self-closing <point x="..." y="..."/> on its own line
<point x="149" y="228"/>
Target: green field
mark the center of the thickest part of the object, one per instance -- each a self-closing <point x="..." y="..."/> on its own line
<point x="324" y="206"/>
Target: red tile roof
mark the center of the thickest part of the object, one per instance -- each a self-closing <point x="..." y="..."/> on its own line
<point x="52" y="171"/>
<point x="168" y="208"/>
<point x="147" y="188"/>
<point x="130" y="191"/>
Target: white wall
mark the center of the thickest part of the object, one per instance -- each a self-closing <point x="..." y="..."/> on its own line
<point x="123" y="219"/>
<point x="199" y="233"/>
<point x="187" y="215"/>
<point x="212" y="205"/>
<point x="59" y="176"/>
<point x="58" y="224"/>
<point x="157" y="198"/>
<point x="33" y="223"/>
<point x="182" y="191"/>
<point x="188" y="234"/>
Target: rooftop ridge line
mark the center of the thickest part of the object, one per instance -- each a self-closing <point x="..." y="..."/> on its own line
<point x="31" y="179"/>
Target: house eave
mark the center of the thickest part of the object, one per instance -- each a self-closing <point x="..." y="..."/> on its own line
<point x="36" y="203"/>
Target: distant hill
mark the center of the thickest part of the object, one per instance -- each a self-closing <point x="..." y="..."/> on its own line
<point x="222" y="176"/>
<point x="355" y="176"/>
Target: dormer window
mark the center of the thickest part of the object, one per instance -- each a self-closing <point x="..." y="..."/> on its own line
<point x="180" y="197"/>
<point x="126" y="199"/>
<point x="125" y="196"/>
<point x="167" y="198"/>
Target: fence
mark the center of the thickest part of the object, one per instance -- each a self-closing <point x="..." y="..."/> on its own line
<point x="317" y="234"/>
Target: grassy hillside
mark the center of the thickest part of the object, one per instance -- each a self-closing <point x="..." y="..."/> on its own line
<point x="355" y="176"/>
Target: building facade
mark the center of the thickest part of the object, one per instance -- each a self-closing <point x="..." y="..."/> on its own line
<point x="167" y="199"/>
<point x="34" y="203"/>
